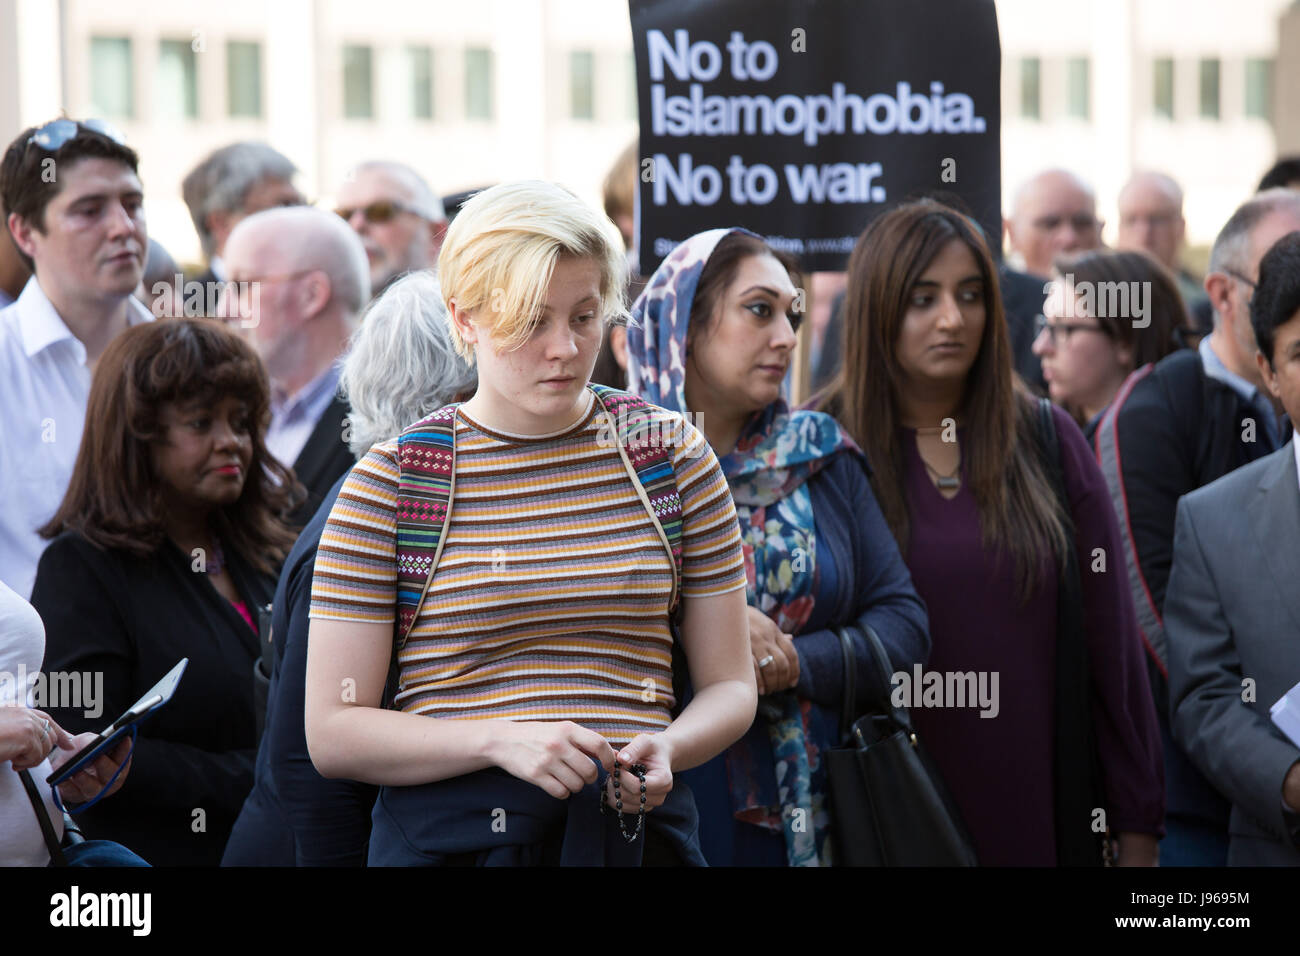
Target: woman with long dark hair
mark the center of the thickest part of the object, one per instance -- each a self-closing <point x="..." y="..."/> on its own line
<point x="166" y="546"/>
<point x="1023" y="592"/>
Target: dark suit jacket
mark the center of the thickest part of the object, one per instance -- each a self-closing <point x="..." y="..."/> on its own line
<point x="131" y="619"/>
<point x="294" y="816"/>
<point x="323" y="460"/>
<point x="1232" y="611"/>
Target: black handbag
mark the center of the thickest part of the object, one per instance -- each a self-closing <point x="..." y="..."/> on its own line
<point x="888" y="805"/>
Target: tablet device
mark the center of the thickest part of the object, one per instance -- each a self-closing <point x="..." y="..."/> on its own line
<point x="151" y="700"/>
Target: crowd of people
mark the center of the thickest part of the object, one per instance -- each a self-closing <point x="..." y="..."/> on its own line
<point x="443" y="605"/>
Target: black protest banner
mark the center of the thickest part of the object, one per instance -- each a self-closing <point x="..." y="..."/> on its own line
<point x="803" y="119"/>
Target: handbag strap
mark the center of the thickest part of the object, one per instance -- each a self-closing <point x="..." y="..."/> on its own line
<point x="880" y="684"/>
<point x="43" y="818"/>
<point x="849" y="700"/>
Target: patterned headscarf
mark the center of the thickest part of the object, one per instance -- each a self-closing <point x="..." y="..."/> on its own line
<point x="777" y="452"/>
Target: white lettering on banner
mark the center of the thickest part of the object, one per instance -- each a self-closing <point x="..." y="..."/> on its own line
<point x="813" y="116"/>
<point x="836" y="182"/>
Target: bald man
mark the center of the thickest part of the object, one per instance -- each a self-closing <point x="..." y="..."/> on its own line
<point x="1053" y="213"/>
<point x="398" y="217"/>
<point x="1151" y="221"/>
<point x="307" y="281"/>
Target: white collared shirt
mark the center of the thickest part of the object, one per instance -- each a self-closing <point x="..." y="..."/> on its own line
<point x="44" y="385"/>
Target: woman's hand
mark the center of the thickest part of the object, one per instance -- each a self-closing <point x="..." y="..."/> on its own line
<point x="27" y="736"/>
<point x="87" y="782"/>
<point x="655" y="753"/>
<point x="767" y="640"/>
<point x="556" y="756"/>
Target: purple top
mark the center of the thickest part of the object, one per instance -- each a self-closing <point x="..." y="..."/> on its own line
<point x="999" y="768"/>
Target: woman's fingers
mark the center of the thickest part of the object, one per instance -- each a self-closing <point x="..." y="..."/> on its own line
<point x="786" y="645"/>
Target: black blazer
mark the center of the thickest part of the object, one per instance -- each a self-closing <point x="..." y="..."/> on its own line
<point x="132" y="619"/>
<point x="323" y="460"/>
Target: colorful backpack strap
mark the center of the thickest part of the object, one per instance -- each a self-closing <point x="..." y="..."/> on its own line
<point x="648" y="457"/>
<point x="426" y="483"/>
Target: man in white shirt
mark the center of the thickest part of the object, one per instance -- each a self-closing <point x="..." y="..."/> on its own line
<point x="302" y="278"/>
<point x="76" y="215"/>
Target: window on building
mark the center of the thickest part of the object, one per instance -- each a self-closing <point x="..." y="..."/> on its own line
<point x="1162" y="87"/>
<point x="1077" y="88"/>
<point x="1259" y="88"/>
<point x="112" y="79"/>
<point x="582" y="84"/>
<point x="421" y="63"/>
<point x="478" y="83"/>
<point x="358" y="82"/>
<point x="1031" y="106"/>
<point x="176" y="90"/>
<point x="244" y="79"/>
<point x="1210" y="88"/>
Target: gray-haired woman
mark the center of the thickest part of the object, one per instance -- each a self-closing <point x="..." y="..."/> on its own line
<point x="401" y="367"/>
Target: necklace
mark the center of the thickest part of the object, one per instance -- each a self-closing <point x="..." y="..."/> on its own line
<point x="944" y="482"/>
<point x="216" y="562"/>
<point x="640" y="771"/>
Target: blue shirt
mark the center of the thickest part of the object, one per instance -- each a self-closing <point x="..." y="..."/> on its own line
<point x="1215" y="368"/>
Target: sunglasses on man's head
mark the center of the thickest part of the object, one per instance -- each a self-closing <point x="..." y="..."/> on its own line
<point x="55" y="133"/>
<point x="380" y="212"/>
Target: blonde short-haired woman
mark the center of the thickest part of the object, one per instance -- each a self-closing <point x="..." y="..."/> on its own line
<point x="536" y="634"/>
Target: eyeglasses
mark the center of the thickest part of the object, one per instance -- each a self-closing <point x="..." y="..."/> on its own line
<point x="1063" y="329"/>
<point x="382" y="211"/>
<point x="1237" y="275"/>
<point x="55" y="133"/>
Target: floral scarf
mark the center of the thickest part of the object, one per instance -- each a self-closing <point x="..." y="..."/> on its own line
<point x="777" y="452"/>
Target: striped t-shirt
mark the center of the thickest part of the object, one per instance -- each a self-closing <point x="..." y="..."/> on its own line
<point x="550" y="600"/>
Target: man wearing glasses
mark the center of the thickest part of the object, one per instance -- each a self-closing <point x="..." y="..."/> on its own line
<point x="1053" y="213"/>
<point x="306" y="280"/>
<point x="76" y="217"/>
<point x="1151" y="221"/>
<point x="398" y="217"/>
<point x="1175" y="427"/>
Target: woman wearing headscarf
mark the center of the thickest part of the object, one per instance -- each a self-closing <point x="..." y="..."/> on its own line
<point x="712" y="336"/>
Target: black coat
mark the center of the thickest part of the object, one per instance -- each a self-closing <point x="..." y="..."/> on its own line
<point x="294" y="816"/>
<point x="323" y="460"/>
<point x="132" y="619"/>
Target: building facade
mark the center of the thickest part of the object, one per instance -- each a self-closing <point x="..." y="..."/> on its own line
<point x="480" y="92"/>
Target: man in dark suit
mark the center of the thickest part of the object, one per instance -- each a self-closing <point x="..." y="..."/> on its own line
<point x="303" y="280"/>
<point x="1232" y="607"/>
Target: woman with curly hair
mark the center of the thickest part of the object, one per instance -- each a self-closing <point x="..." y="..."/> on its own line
<point x="166" y="546"/>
